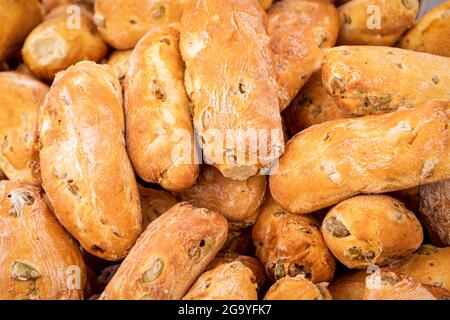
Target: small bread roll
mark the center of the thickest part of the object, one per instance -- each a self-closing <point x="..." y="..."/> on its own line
<point x="232" y="82"/>
<point x="371" y="230"/>
<point x="64" y="38"/>
<point x="375" y="22"/>
<point x="390" y="284"/>
<point x="20" y="99"/>
<point x="434" y="211"/>
<point x="228" y="281"/>
<point x="160" y="134"/>
<point x="39" y="260"/>
<point x="291" y="245"/>
<point x="299" y="30"/>
<point x="430" y="34"/>
<point x="119" y="61"/>
<point x="154" y="203"/>
<point x="17" y="18"/>
<point x="85" y="168"/>
<point x="259" y="274"/>
<point x="367" y="80"/>
<point x="238" y="201"/>
<point x="297" y="288"/>
<point x="169" y="256"/>
<point x="311" y="106"/>
<point x="333" y="161"/>
<point x="428" y="265"/>
<point x="123" y="22"/>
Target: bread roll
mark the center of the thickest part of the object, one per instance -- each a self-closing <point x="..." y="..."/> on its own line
<point x="297" y="288"/>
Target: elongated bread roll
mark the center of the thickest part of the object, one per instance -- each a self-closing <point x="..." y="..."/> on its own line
<point x="85" y="168"/>
<point x="231" y="79"/>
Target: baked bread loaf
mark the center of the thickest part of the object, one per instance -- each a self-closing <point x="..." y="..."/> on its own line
<point x="370" y="80"/>
<point x="299" y="30"/>
<point x="311" y="106"/>
<point x="297" y="288"/>
<point x="154" y="203"/>
<point x="14" y="27"/>
<point x="39" y="260"/>
<point x="20" y="100"/>
<point x="231" y="79"/>
<point x="389" y="284"/>
<point x="119" y="61"/>
<point x="238" y="201"/>
<point x="290" y="245"/>
<point x="430" y="33"/>
<point x="62" y="40"/>
<point x="428" y="265"/>
<point x="371" y="230"/>
<point x="169" y="256"/>
<point x="228" y="281"/>
<point x="123" y="22"/>
<point x="266" y="3"/>
<point x="160" y="135"/>
<point x="334" y="161"/>
<point x="434" y="211"/>
<point x="259" y="274"/>
<point x="86" y="172"/>
<point x="375" y="22"/>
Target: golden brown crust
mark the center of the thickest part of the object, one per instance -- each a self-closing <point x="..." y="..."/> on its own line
<point x="371" y="230"/>
<point x="297" y="288"/>
<point x="14" y="27"/>
<point x="369" y="80"/>
<point x="349" y="286"/>
<point x="20" y="99"/>
<point x="291" y="245"/>
<point x="312" y="106"/>
<point x="259" y="274"/>
<point x="168" y="257"/>
<point x="160" y="135"/>
<point x="238" y="201"/>
<point x="228" y="281"/>
<point x="265" y="4"/>
<point x="434" y="211"/>
<point x="49" y="5"/>
<point x="299" y="29"/>
<point x="428" y="265"/>
<point x="85" y="168"/>
<point x="119" y="61"/>
<point x="38" y="260"/>
<point x="123" y="22"/>
<point x="375" y="22"/>
<point x="334" y="161"/>
<point x="231" y="79"/>
<point x="154" y="203"/>
<point x="55" y="44"/>
<point x="390" y="284"/>
<point x="430" y="34"/>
